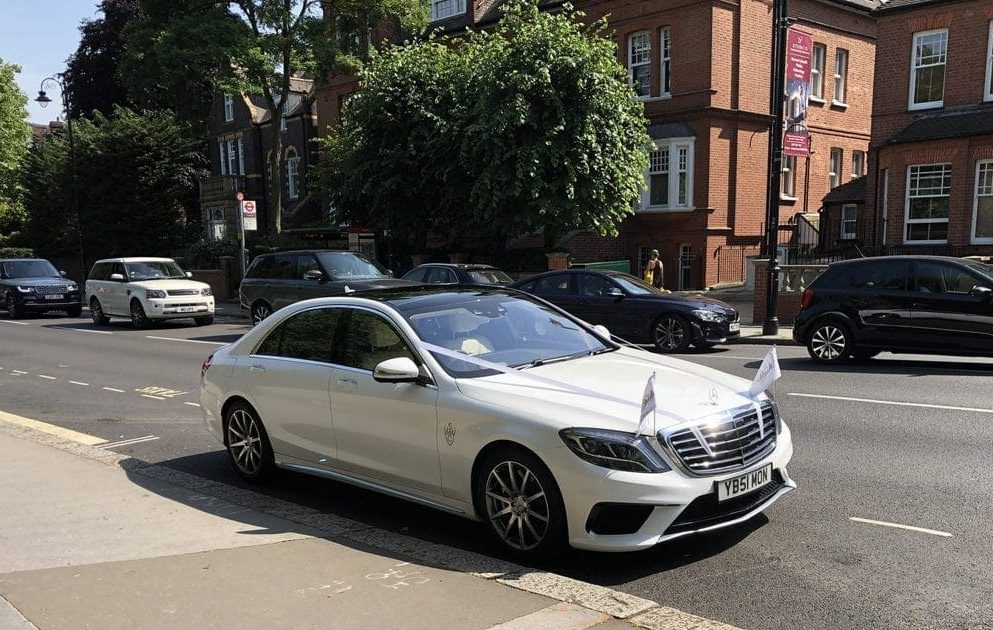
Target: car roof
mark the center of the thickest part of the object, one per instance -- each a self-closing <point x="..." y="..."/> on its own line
<point x="312" y="251"/>
<point x="456" y="265"/>
<point x="855" y="261"/>
<point x="3" y="260"/>
<point x="136" y="259"/>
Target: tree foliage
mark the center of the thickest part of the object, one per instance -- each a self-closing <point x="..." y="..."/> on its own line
<point x="530" y="127"/>
<point x="140" y="193"/>
<point x="15" y="133"/>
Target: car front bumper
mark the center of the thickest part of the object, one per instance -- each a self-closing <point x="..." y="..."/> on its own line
<point x="716" y="332"/>
<point x="39" y="303"/>
<point x="676" y="504"/>
<point x="180" y="306"/>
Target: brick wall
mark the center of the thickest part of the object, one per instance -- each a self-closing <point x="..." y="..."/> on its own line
<point x="787" y="305"/>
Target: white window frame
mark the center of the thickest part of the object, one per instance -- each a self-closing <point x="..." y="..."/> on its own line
<point x="222" y="154"/>
<point x="665" y="58"/>
<point x="458" y="8"/>
<point x="647" y="61"/>
<point x="241" y="156"/>
<point x="843" y="233"/>
<point x="860" y="163"/>
<point x="840" y="77"/>
<point x="988" y="91"/>
<point x="293" y="176"/>
<point x="835" y="164"/>
<point x="232" y="157"/>
<point x="817" y="72"/>
<point x="787" y="188"/>
<point x="980" y="165"/>
<point x="677" y="166"/>
<point x="911" y="105"/>
<point x="907" y="221"/>
<point x="228" y="107"/>
<point x="217" y="228"/>
<point x="282" y="114"/>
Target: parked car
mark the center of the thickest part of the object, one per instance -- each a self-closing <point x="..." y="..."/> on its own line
<point x="450" y="273"/>
<point x="421" y="414"/>
<point x="920" y="304"/>
<point x="146" y="290"/>
<point x="277" y="280"/>
<point x="636" y="311"/>
<point x="33" y="285"/>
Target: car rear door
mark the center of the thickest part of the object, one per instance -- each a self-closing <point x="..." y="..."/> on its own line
<point x="880" y="292"/>
<point x="946" y="315"/>
<point x="559" y="289"/>
<point x="595" y="306"/>
<point x="282" y="280"/>
<point x="384" y="431"/>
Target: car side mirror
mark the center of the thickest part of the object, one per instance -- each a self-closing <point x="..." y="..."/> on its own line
<point x="314" y="274"/>
<point x="189" y="274"/>
<point x="614" y="292"/>
<point x="62" y="273"/>
<point x="398" y="370"/>
<point x="116" y="277"/>
<point x="979" y="291"/>
<point x="602" y="330"/>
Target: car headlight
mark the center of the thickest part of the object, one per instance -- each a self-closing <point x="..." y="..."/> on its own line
<point x="25" y="289"/>
<point x="614" y="449"/>
<point x="72" y="287"/>
<point x="154" y="294"/>
<point x="206" y="291"/>
<point x="708" y="316"/>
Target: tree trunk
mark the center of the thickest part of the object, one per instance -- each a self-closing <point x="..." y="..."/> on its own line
<point x="276" y="183"/>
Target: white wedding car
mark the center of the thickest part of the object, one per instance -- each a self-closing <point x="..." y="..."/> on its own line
<point x="146" y="290"/>
<point x="497" y="406"/>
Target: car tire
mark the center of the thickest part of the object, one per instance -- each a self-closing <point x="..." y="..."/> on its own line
<point x="247" y="442"/>
<point x="671" y="333"/>
<point x="260" y="311"/>
<point x="96" y="313"/>
<point x="74" y="311"/>
<point x="206" y="320"/>
<point x="830" y="341"/>
<point x="14" y="310"/>
<point x="514" y="479"/>
<point x="139" y="320"/>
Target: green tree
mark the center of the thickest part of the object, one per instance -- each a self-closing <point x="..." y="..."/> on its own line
<point x="530" y="127"/>
<point x="253" y="46"/>
<point x="15" y="134"/>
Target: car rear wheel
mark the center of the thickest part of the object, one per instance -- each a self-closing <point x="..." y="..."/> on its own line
<point x="14" y="310"/>
<point x="138" y="318"/>
<point x="521" y="504"/>
<point x="248" y="444"/>
<point x="671" y="333"/>
<point x="830" y="341"/>
<point x="96" y="312"/>
<point x="260" y="310"/>
<point x="74" y="311"/>
<point x="206" y="320"/>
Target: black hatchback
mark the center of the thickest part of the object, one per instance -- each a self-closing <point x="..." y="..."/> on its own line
<point x="914" y="304"/>
<point x="635" y="311"/>
<point x="33" y="285"/>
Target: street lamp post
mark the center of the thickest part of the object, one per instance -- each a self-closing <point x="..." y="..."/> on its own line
<point x="43" y="100"/>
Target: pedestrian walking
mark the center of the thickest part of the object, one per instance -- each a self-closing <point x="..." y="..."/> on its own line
<point x="653" y="270"/>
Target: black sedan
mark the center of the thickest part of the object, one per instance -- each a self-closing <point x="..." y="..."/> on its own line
<point x="635" y="311"/>
<point x="450" y="273"/>
<point x="34" y="285"/>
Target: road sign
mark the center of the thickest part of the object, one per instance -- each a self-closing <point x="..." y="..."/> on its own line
<point x="240" y="196"/>
<point x="248" y="217"/>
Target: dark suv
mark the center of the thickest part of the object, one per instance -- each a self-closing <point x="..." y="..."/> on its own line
<point x="919" y="304"/>
<point x="34" y="285"/>
<point x="276" y="280"/>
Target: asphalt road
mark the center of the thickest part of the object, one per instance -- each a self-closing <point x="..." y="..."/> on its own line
<point x="900" y="440"/>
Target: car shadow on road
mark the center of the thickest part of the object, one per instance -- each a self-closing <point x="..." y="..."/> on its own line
<point x="885" y="364"/>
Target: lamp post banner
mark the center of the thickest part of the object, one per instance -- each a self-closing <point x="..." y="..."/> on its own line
<point x="799" y="52"/>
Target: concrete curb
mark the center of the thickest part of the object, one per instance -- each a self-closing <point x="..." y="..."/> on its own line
<point x="761" y="340"/>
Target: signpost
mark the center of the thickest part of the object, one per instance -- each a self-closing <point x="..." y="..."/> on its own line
<point x="247" y="221"/>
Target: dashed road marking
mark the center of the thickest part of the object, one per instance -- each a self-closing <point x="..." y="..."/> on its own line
<point x="893" y="402"/>
<point x="80" y="383"/>
<point x="130" y="442"/>
<point x="152" y="397"/>
<point x="7" y="321"/>
<point x="211" y="343"/>
<point x="47" y="377"/>
<point x="18" y="372"/>
<point x="923" y="530"/>
<point x="162" y="392"/>
<point x="89" y="330"/>
<point x="192" y="404"/>
<point x="113" y="389"/>
<point x="38" y="425"/>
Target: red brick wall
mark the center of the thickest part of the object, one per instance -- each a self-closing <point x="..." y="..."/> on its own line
<point x="787" y="305"/>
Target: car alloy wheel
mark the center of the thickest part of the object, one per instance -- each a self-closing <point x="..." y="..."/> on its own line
<point x="828" y="343"/>
<point x="671" y="334"/>
<point x="259" y="312"/>
<point x="517" y="506"/>
<point x="96" y="312"/>
<point x="248" y="444"/>
<point x="138" y="318"/>
<point x="14" y="310"/>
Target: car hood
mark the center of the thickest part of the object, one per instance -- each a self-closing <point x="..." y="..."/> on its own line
<point x="40" y="281"/>
<point x="376" y="283"/>
<point x="613" y="385"/>
<point x="690" y="302"/>
<point x="168" y="284"/>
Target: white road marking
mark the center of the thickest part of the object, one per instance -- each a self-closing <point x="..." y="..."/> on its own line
<point x="80" y="383"/>
<point x="152" y="397"/>
<point x="192" y="404"/>
<point x="132" y="441"/>
<point x="723" y="356"/>
<point x="922" y="530"/>
<point x="45" y="427"/>
<point x="7" y="321"/>
<point x="113" y="389"/>
<point x="18" y="372"/>
<point x="47" y="377"/>
<point x="893" y="402"/>
<point x="89" y="330"/>
<point x="211" y="343"/>
<point x="164" y="392"/>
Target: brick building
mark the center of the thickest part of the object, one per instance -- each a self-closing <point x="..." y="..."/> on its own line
<point x="930" y="188"/>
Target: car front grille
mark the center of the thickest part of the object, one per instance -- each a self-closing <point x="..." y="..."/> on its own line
<point x="729" y="443"/>
<point x="707" y="511"/>
<point x="178" y="292"/>
<point x="51" y="289"/>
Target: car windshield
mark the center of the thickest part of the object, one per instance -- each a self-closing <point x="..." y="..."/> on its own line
<point x="984" y="270"/>
<point x="153" y="270"/>
<point x="489" y="276"/>
<point x="509" y="330"/>
<point x="634" y="286"/>
<point x="343" y="265"/>
<point x="29" y="269"/>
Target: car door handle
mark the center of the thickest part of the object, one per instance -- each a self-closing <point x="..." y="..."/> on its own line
<point x="256" y="368"/>
<point x="347" y="382"/>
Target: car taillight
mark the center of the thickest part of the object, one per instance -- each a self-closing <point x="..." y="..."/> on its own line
<point x="205" y="365"/>
<point x="808" y="297"/>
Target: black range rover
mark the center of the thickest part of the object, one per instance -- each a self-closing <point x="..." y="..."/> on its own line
<point x="35" y="285"/>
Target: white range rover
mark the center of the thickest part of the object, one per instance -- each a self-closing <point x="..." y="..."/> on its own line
<point x="146" y="290"/>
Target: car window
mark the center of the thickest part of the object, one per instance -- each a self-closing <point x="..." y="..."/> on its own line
<point x="370" y="340"/>
<point x="889" y="275"/>
<point x="416" y="275"/>
<point x="283" y="267"/>
<point x="307" y="335"/>
<point x="440" y="275"/>
<point x="261" y="267"/>
<point x="118" y="268"/>
<point x="100" y="271"/>
<point x="634" y="286"/>
<point x="305" y="263"/>
<point x="29" y="269"/>
<point x="490" y="276"/>
<point x="152" y="270"/>
<point x="936" y="277"/>
<point x="589" y="285"/>
<point x="552" y="285"/>
<point x="348" y="265"/>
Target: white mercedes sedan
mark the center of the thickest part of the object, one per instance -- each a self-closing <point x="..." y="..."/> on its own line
<point x="497" y="406"/>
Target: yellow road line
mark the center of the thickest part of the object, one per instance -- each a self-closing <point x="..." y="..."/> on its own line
<point x="38" y="425"/>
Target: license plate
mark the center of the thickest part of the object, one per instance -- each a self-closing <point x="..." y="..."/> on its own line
<point x="743" y="484"/>
<point x="186" y="309"/>
<point x="734" y="326"/>
<point x="54" y="296"/>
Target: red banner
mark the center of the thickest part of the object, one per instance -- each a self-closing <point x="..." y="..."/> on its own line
<point x="799" y="51"/>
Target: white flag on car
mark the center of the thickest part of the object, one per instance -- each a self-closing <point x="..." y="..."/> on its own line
<point x="647" y="424"/>
<point x="768" y="373"/>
